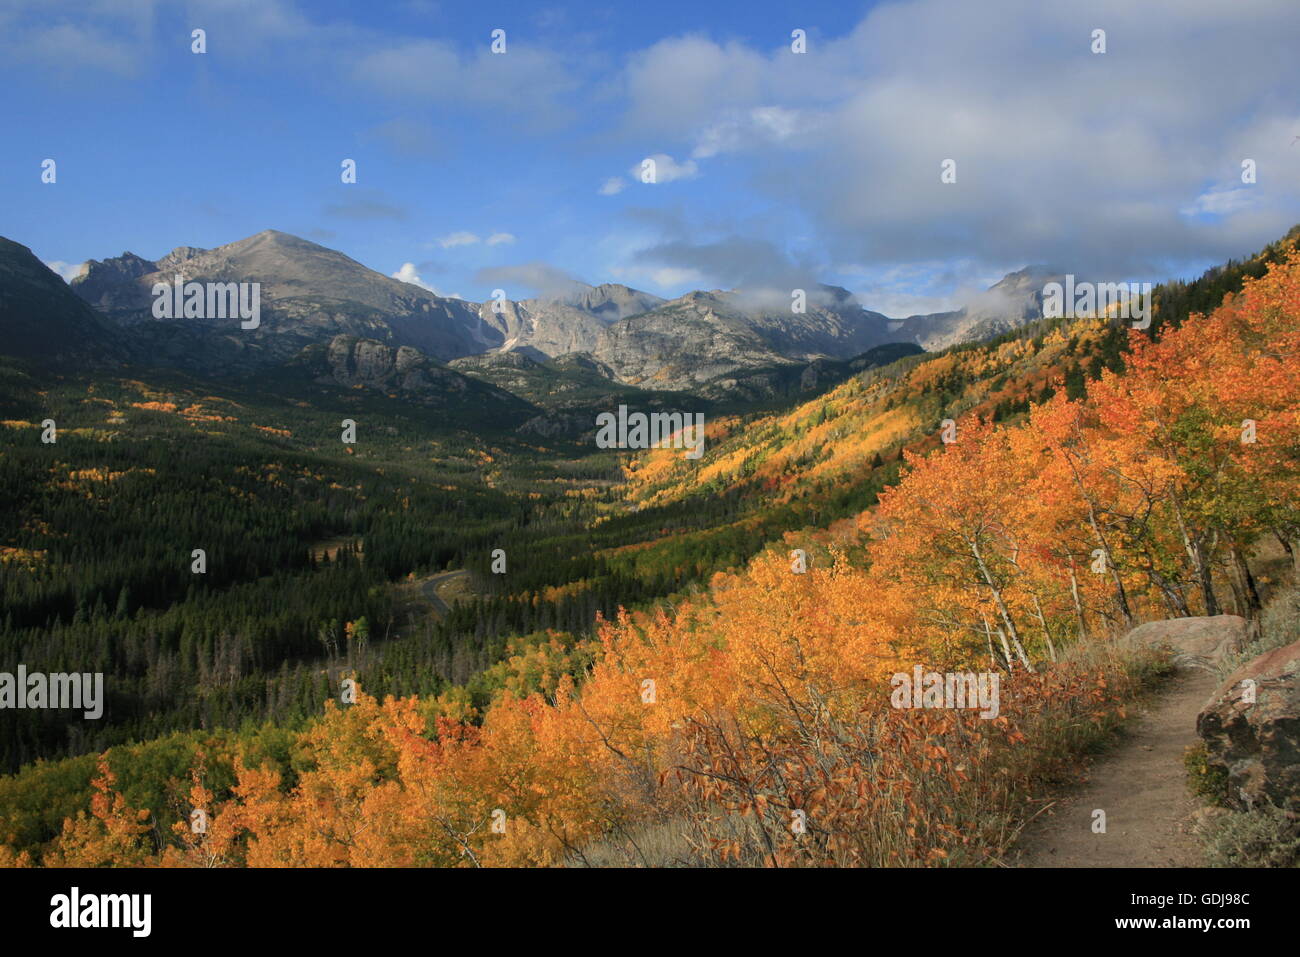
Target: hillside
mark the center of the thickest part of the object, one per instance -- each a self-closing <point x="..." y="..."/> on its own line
<point x="618" y="568"/>
<point x="40" y="318"/>
<point x="983" y="555"/>
<point x="862" y="427"/>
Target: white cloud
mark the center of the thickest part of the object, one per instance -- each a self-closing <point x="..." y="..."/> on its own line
<point x="544" y="279"/>
<point x="1087" y="161"/>
<point x="681" y="82"/>
<point x="666" y="169"/>
<point x="668" y="279"/>
<point x="409" y="273"/>
<point x="1221" y="201"/>
<point x="920" y="288"/>
<point x="731" y="262"/>
<point x="466" y="238"/>
<point x="66" y="271"/>
<point x="762" y="125"/>
<point x="612" y="186"/>
<point x="461" y="238"/>
<point x="672" y="277"/>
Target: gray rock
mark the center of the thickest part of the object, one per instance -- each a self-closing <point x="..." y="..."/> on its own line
<point x="353" y="362"/>
<point x="1258" y="742"/>
<point x="559" y="324"/>
<point x="1195" y="642"/>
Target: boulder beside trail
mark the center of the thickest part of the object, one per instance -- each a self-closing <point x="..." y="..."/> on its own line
<point x="1251" y="729"/>
<point x="1195" y="642"/>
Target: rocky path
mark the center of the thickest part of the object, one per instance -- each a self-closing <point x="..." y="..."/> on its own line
<point x="1140" y="784"/>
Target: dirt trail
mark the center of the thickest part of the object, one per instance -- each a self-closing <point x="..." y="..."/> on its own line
<point x="1140" y="784"/>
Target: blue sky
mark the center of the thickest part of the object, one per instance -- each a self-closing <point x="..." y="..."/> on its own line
<point x="479" y="170"/>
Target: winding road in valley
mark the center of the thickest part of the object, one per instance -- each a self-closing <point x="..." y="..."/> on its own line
<point x="429" y="589"/>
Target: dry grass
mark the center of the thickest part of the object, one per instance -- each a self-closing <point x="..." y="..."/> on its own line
<point x="1279" y="626"/>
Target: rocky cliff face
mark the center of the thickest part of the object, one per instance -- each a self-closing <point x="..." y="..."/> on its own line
<point x="554" y="326"/>
<point x="357" y="363"/>
<point x="704" y="337"/>
<point x="366" y="362"/>
<point x="613" y="301"/>
<point x="111" y="284"/>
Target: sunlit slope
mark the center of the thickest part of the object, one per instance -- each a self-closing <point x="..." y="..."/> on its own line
<point x="856" y="432"/>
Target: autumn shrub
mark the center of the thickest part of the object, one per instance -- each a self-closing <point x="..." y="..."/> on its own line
<point x="899" y="787"/>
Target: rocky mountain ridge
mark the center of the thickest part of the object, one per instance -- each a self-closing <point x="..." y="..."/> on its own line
<point x="704" y="343"/>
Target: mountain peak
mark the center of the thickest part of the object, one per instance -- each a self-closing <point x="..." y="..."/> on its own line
<point x="275" y="238"/>
<point x="611" y="301"/>
<point x="177" y="256"/>
<point x="306" y="291"/>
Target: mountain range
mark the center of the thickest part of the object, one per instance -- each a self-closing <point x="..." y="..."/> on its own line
<point x="325" y="313"/>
